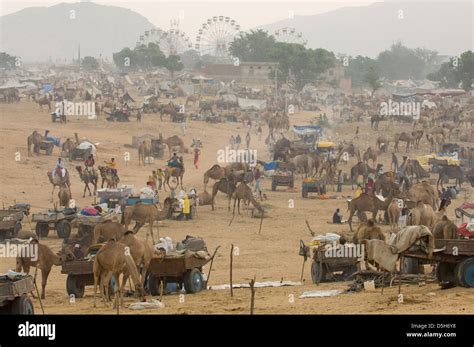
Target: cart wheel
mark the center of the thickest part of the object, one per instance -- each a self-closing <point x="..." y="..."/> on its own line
<point x="193" y="281"/>
<point x="63" y="228"/>
<point x="446" y="274"/>
<point x="409" y="266"/>
<point x="22" y="305"/>
<point x="274" y="185"/>
<point x="154" y="284"/>
<point x="42" y="229"/>
<point x="465" y="273"/>
<point x="74" y="286"/>
<point x="318" y="273"/>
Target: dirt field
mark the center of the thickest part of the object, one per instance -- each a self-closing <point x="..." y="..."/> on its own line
<point x="271" y="255"/>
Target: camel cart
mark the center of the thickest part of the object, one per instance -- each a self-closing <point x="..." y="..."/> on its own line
<point x="312" y="186"/>
<point x="10" y="223"/>
<point x="283" y="176"/>
<point x="326" y="268"/>
<point x="80" y="274"/>
<point x="14" y="295"/>
<point x="185" y="271"/>
<point x="59" y="220"/>
<point x="46" y="145"/>
<point x="86" y="224"/>
<point x="454" y="259"/>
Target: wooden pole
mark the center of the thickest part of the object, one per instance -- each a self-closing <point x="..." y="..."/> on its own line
<point x="252" y="296"/>
<point x="261" y="222"/>
<point x="231" y="261"/>
<point x="161" y="291"/>
<point x="210" y="266"/>
<point x="383" y="281"/>
<point x="302" y="269"/>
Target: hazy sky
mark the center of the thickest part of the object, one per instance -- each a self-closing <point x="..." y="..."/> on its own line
<point x="192" y="13"/>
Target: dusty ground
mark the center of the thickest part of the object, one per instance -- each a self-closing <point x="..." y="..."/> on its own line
<point x="271" y="255"/>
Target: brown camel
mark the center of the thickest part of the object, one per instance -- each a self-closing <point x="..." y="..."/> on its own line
<point x="34" y="140"/>
<point x="46" y="258"/>
<point x="204" y="198"/>
<point x="422" y="214"/>
<point x="68" y="146"/>
<point x="44" y="100"/>
<point x="361" y="169"/>
<point x="144" y="152"/>
<point x="59" y="181"/>
<point x="350" y="149"/>
<point x="386" y="183"/>
<point x="450" y="172"/>
<point x="64" y="196"/>
<point x="394" y="214"/>
<point x="403" y="137"/>
<point x="370" y="203"/>
<point x="382" y="143"/>
<point x="368" y="231"/>
<point x="108" y="230"/>
<point x="111" y="180"/>
<point x="445" y="229"/>
<point x="142" y="214"/>
<point x="216" y="172"/>
<point x="194" y="98"/>
<point x="244" y="192"/>
<point x="425" y="193"/>
<point x="141" y="252"/>
<point x="176" y="172"/>
<point x="173" y="141"/>
<point x="225" y="186"/>
<point x="370" y="154"/>
<point x="115" y="259"/>
<point x="88" y="177"/>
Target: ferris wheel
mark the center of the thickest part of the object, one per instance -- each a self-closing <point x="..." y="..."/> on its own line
<point x="171" y="42"/>
<point x="215" y="35"/>
<point x="289" y="35"/>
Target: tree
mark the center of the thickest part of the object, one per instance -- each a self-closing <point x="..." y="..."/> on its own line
<point x="458" y="71"/>
<point x="190" y="58"/>
<point x="173" y="64"/>
<point x="358" y="68"/>
<point x="141" y="57"/>
<point x="90" y="63"/>
<point x="465" y="70"/>
<point x="373" y="78"/>
<point x="7" y="61"/>
<point x="255" y="45"/>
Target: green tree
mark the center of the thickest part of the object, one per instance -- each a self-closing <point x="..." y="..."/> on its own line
<point x="373" y="78"/>
<point x="458" y="71"/>
<point x="7" y="61"/>
<point x="90" y="63"/>
<point x="358" y="68"/>
<point x="141" y="57"/>
<point x="255" y="45"/>
<point x="465" y="70"/>
<point x="173" y="64"/>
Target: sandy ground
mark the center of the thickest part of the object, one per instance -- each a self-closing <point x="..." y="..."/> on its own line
<point x="270" y="256"/>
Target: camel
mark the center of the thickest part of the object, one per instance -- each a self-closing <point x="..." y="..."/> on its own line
<point x="204" y="198"/>
<point x="422" y="214"/>
<point x="370" y="203"/>
<point x="436" y="141"/>
<point x="34" y="140"/>
<point x="425" y="193"/>
<point x="144" y="152"/>
<point x="42" y="101"/>
<point x="417" y="135"/>
<point x="68" y="146"/>
<point x="327" y="166"/>
<point x="46" y="258"/>
<point x="106" y="231"/>
<point x="350" y="149"/>
<point x="59" y="181"/>
<point x="176" y="172"/>
<point x="385" y="183"/>
<point x="88" y="178"/>
<point x="216" y="172"/>
<point x="244" y="192"/>
<point x="64" y="195"/>
<point x="403" y="137"/>
<point x="394" y="214"/>
<point x="69" y="247"/>
<point x="450" y="172"/>
<point x="142" y="214"/>
<point x="369" y="154"/>
<point x="368" y="231"/>
<point x="445" y="229"/>
<point x="360" y="169"/>
<point x="225" y="186"/>
<point x="141" y="252"/>
<point x="194" y="98"/>
<point x="114" y="258"/>
<point x="303" y="164"/>
<point x="173" y="141"/>
<point x="111" y="180"/>
<point x="382" y="143"/>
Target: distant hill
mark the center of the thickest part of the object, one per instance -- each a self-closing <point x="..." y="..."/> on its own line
<point x="37" y="33"/>
<point x="367" y="30"/>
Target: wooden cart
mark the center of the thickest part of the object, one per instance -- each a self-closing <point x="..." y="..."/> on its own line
<point x="313" y="187"/>
<point x="10" y="223"/>
<point x="454" y="259"/>
<point x="185" y="271"/>
<point x="14" y="295"/>
<point x="86" y="224"/>
<point x="54" y="219"/>
<point x="283" y="176"/>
